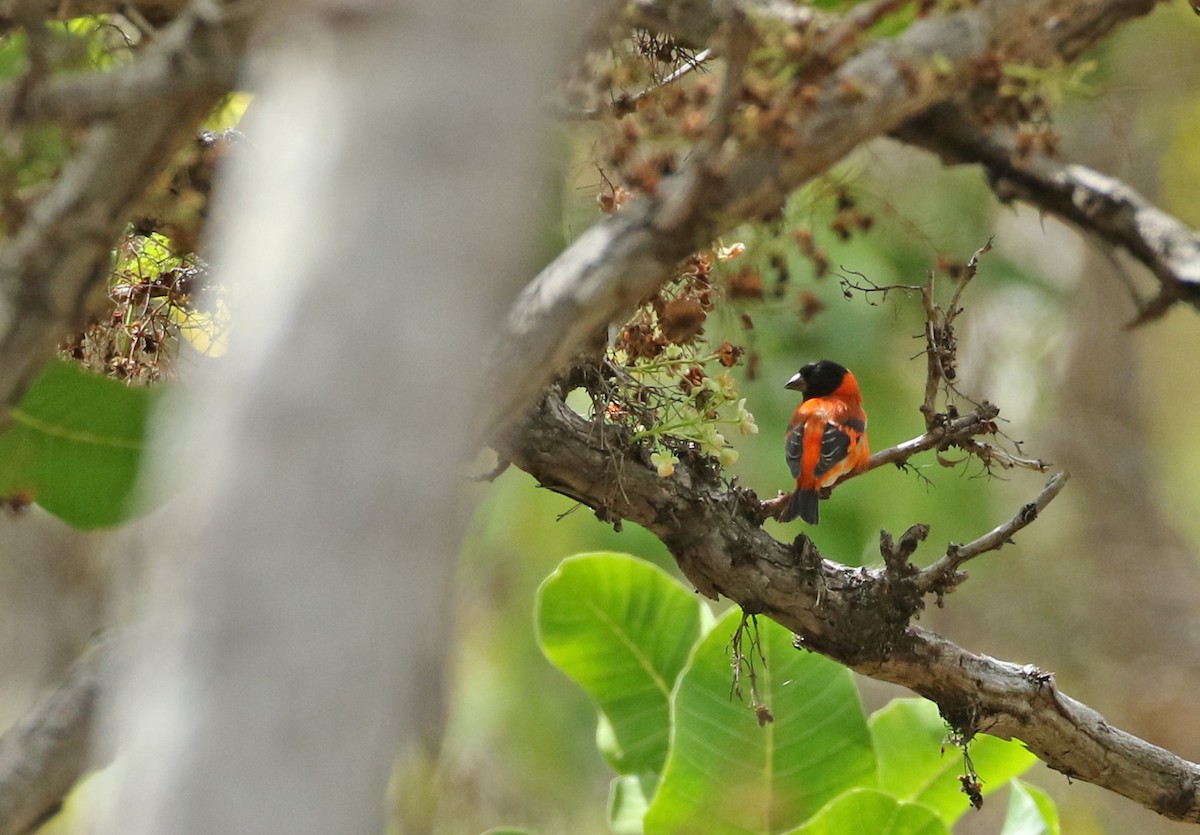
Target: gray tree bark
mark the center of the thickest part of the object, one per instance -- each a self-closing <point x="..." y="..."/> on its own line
<point x="297" y="629"/>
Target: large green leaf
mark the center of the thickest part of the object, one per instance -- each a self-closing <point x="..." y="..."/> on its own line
<point x="909" y="738"/>
<point x="870" y="811"/>
<point x="622" y="629"/>
<point x="75" y="445"/>
<point x="1030" y="812"/>
<point x="726" y="774"/>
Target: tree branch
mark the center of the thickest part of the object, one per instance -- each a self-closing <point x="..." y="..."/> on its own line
<point x="51" y="747"/>
<point x="955" y="431"/>
<point x="944" y="576"/>
<point x="1011" y="702"/>
<point x="1094" y="202"/>
<point x="16" y="12"/>
<point x="859" y="617"/>
<point x="611" y="267"/>
<point x="168" y="72"/>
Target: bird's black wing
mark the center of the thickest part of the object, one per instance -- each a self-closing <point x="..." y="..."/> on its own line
<point x="835" y="446"/>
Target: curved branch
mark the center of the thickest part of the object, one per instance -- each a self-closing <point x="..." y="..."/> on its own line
<point x="957" y="430"/>
<point x="142" y="86"/>
<point x="618" y="262"/>
<point x="943" y="575"/>
<point x="859" y="617"/>
<point x="1092" y="201"/>
<point x="1012" y="702"/>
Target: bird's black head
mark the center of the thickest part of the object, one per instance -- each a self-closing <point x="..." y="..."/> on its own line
<point x="817" y="379"/>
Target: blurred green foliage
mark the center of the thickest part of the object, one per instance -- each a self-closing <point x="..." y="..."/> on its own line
<point x="522" y="738"/>
<point x="74" y="445"/>
<point x="1142" y="107"/>
<point x="776" y="741"/>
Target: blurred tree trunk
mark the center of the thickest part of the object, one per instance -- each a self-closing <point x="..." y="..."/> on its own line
<point x="1139" y="581"/>
<point x="1110" y="609"/>
<point x="53" y="582"/>
<point x="298" y="626"/>
<point x="1123" y="629"/>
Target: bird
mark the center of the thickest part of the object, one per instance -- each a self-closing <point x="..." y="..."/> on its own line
<point x="827" y="436"/>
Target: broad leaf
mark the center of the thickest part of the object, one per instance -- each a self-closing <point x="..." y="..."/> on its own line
<point x="867" y="810"/>
<point x="75" y="444"/>
<point x="1030" y="812"/>
<point x="622" y="629"/>
<point x="909" y="738"/>
<point x="726" y="774"/>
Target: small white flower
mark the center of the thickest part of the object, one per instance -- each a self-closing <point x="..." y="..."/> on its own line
<point x="745" y="420"/>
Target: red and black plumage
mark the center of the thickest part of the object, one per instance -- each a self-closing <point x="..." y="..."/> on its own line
<point x="827" y="436"/>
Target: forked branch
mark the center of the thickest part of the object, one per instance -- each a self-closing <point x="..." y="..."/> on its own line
<point x="860" y="617"/>
<point x="944" y="575"/>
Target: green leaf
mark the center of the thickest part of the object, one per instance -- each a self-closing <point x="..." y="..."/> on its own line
<point x="909" y="736"/>
<point x="725" y="774"/>
<point x="867" y="810"/>
<point x="1030" y="812"/>
<point x="622" y="629"/>
<point x="75" y="445"/>
<point x="628" y="800"/>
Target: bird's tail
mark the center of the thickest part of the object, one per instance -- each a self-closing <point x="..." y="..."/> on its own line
<point x="803" y="504"/>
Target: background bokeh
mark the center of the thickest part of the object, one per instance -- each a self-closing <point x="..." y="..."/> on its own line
<point x="1104" y="590"/>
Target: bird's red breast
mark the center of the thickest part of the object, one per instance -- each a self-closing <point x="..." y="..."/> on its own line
<point x="827" y="436"/>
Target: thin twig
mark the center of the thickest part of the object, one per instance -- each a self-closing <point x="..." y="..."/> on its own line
<point x="943" y="575"/>
<point x="933" y="365"/>
<point x="941" y="347"/>
<point x="989" y="455"/>
<point x="969" y="273"/>
<point x="954" y="431"/>
<point x="625" y="103"/>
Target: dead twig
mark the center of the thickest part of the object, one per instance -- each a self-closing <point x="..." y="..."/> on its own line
<point x="944" y="575"/>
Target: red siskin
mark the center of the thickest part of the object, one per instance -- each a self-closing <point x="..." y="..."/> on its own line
<point x="827" y="437"/>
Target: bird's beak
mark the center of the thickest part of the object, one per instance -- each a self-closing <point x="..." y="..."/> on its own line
<point x="796" y="383"/>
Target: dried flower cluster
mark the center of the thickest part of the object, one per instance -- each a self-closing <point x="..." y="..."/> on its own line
<point x="671" y="388"/>
<point x="154" y="294"/>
